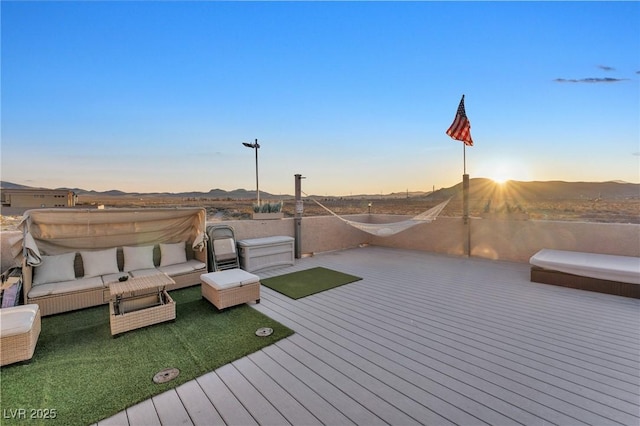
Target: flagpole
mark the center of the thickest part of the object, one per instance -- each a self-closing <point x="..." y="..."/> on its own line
<point x="464" y="158"/>
<point x="460" y="130"/>
<point x="465" y="200"/>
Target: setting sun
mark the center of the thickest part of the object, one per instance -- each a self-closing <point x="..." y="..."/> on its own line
<point x="502" y="173"/>
<point x="502" y="169"/>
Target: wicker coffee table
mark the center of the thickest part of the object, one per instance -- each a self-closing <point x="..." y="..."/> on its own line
<point x="139" y="302"/>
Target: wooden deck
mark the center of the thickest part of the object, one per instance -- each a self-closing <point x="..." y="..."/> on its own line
<point x="424" y="339"/>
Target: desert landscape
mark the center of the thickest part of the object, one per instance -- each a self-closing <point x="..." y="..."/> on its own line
<point x="607" y="202"/>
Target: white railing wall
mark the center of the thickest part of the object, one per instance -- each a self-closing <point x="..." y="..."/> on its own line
<point x="513" y="240"/>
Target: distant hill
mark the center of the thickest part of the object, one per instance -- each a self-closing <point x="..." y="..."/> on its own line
<point x="236" y="194"/>
<point x="11" y="185"/>
<point x="479" y="188"/>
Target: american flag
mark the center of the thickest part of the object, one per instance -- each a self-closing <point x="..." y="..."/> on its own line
<point x="460" y="129"/>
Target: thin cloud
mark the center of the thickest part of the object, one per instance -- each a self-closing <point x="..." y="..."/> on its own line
<point x="590" y="80"/>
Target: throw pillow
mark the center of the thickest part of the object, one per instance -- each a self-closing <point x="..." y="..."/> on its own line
<point x="138" y="258"/>
<point x="55" y="269"/>
<point x="170" y="254"/>
<point x="101" y="262"/>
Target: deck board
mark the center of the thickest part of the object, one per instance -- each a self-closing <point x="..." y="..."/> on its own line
<point x="227" y="405"/>
<point x="294" y="412"/>
<point x="446" y="375"/>
<point x="387" y="386"/>
<point x="350" y="408"/>
<point x="201" y="410"/>
<point x="170" y="409"/>
<point x="251" y="399"/>
<point x="299" y="390"/>
<point x="531" y="354"/>
<point x="349" y="381"/>
<point x="425" y="339"/>
<point x="143" y="413"/>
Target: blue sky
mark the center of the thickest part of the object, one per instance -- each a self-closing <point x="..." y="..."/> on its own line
<point x="356" y="96"/>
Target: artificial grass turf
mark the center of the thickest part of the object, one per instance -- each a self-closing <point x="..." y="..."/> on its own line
<point x="310" y="281"/>
<point x="82" y="374"/>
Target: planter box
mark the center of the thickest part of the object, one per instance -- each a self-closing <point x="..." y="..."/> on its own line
<point x="267" y="216"/>
<point x="263" y="253"/>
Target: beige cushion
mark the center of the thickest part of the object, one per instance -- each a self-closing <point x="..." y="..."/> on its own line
<point x="17" y="319"/>
<point x="182" y="268"/>
<point x="145" y="272"/>
<point x="229" y="278"/>
<point x="54" y="269"/>
<point x="171" y="254"/>
<point x="65" y="287"/>
<point x="99" y="262"/>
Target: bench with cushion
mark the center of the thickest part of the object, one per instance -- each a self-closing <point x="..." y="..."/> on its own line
<point x="604" y="273"/>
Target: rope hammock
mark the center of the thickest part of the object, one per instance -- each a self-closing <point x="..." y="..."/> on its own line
<point x="388" y="229"/>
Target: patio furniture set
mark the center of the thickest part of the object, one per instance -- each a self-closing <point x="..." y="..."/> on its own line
<point x="70" y="257"/>
<point x="132" y="279"/>
<point x="131" y="258"/>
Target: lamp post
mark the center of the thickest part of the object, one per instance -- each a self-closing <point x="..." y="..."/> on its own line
<point x="255" y="146"/>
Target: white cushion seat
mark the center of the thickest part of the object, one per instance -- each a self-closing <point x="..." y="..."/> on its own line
<point x="66" y="287"/>
<point x="182" y="268"/>
<point x="19" y="332"/>
<point x="229" y="278"/>
<point x="144" y="272"/>
<point x="624" y="269"/>
<point x="17" y="319"/>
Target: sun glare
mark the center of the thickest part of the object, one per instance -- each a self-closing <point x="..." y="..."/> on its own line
<point x="502" y="170"/>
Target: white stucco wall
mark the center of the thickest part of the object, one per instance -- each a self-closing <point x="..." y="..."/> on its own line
<point x="514" y="240"/>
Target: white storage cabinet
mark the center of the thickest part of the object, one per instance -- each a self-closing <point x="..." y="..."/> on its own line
<point x="268" y="252"/>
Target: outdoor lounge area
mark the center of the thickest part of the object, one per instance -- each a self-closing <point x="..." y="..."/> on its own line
<point x="424" y="338"/>
<point x="429" y="335"/>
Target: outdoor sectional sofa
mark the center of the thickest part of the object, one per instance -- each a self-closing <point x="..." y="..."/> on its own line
<point x="69" y="256"/>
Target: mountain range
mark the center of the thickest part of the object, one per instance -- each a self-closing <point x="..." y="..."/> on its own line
<point x="478" y="188"/>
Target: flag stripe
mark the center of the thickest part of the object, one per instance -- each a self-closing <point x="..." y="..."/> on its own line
<point x="460" y="129"/>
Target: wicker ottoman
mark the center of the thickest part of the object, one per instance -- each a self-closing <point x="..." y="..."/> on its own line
<point x="230" y="287"/>
<point x="19" y="331"/>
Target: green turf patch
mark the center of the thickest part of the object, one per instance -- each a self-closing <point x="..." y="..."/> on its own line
<point x="310" y="281"/>
<point x="81" y="374"/>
